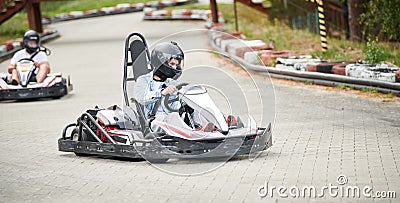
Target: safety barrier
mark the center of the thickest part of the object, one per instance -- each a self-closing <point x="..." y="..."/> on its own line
<point x="306" y="68"/>
<point x="118" y="9"/>
<point x="179" y="14"/>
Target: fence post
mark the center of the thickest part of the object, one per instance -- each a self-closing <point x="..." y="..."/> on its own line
<point x="320" y="18"/>
<point x="322" y="25"/>
<point x="34" y="16"/>
<point x="214" y="11"/>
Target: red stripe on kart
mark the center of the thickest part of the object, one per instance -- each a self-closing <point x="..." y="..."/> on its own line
<point x="172" y="129"/>
<point x="50" y="82"/>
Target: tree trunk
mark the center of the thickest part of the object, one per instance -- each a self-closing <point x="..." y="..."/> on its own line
<point x="355" y="9"/>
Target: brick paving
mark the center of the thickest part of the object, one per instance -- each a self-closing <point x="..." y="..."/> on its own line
<point x="318" y="135"/>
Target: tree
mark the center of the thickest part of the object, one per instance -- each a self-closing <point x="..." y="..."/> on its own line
<point x="381" y="18"/>
<point x="356" y="8"/>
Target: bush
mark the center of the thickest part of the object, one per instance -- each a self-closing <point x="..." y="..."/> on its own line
<point x="373" y="53"/>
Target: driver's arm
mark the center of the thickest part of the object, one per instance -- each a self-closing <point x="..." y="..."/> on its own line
<point x="44" y="65"/>
<point x="142" y="92"/>
<point x="13" y="63"/>
<point x="11" y="67"/>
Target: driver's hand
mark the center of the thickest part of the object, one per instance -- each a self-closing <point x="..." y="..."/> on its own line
<point x="171" y="89"/>
<point x="36" y="64"/>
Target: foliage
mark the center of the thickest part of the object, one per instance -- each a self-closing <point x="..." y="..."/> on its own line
<point x="308" y="82"/>
<point x="382" y="17"/>
<point x="373" y="53"/>
<point x="16" y="26"/>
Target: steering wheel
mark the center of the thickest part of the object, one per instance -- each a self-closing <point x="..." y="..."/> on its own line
<point x="168" y="101"/>
<point x="26" y="59"/>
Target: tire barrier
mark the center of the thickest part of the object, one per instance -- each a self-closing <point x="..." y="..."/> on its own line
<point x="340" y="69"/>
<point x="381" y="72"/>
<point x="118" y="9"/>
<point x="328" y="67"/>
<point x="322" y="72"/>
<point x="8" y="48"/>
<point x="180" y="14"/>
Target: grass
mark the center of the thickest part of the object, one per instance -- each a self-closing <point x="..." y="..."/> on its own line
<point x="253" y="24"/>
<point x="344" y="87"/>
<point x="53" y="8"/>
<point x="14" y="27"/>
<point x="308" y="82"/>
<point x="256" y="25"/>
<point x="18" y="24"/>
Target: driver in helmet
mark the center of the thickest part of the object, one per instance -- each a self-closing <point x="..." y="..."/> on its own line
<point x="31" y="45"/>
<point x="167" y="59"/>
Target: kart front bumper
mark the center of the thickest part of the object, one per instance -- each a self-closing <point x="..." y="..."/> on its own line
<point x="57" y="90"/>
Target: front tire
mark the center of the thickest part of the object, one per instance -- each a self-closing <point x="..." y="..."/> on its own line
<point x="84" y="137"/>
<point x="152" y="136"/>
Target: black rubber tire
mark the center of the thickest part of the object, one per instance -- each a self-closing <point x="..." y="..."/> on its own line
<point x="85" y="135"/>
<point x="74" y="136"/>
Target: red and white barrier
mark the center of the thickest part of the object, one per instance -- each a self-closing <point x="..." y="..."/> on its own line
<point x="381" y="72"/>
<point x="119" y="8"/>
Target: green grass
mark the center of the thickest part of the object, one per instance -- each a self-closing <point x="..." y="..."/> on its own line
<point x="14" y="27"/>
<point x="344" y="87"/>
<point x="18" y="24"/>
<point x="53" y="8"/>
<point x="253" y="24"/>
<point x="341" y="86"/>
<point x="390" y="95"/>
<point x="308" y="82"/>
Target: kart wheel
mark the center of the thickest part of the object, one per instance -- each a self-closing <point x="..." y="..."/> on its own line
<point x="74" y="134"/>
<point x="152" y="136"/>
<point x="75" y="137"/>
<point x="84" y="137"/>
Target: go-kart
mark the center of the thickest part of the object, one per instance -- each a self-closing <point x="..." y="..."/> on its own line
<point x="126" y="132"/>
<point x="54" y="85"/>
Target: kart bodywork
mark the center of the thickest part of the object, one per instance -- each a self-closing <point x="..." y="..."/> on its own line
<point x="54" y="85"/>
<point x="126" y="132"/>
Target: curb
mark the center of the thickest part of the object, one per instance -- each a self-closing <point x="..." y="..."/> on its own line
<point x="117" y="9"/>
<point x="8" y="49"/>
<point x="180" y="14"/>
<point x="183" y="14"/>
<point x="285" y="70"/>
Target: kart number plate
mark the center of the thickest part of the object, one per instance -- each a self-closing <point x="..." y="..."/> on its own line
<point x="24" y="67"/>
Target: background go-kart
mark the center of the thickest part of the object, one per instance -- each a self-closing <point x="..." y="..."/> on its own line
<point x="317" y="134"/>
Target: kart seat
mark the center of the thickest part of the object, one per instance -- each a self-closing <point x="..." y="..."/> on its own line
<point x="140" y="63"/>
<point x="140" y="66"/>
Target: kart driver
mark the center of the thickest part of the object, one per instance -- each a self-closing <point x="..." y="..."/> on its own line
<point x="31" y="45"/>
<point x="167" y="59"/>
